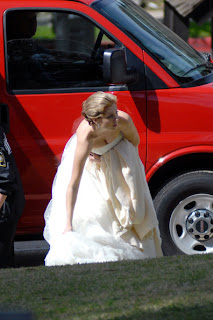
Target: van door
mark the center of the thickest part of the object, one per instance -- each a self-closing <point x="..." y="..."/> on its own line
<point x="50" y="70"/>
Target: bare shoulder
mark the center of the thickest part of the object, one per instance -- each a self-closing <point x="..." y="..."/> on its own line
<point x="126" y="125"/>
<point x="84" y="131"/>
<point x="84" y="138"/>
<point x="124" y="120"/>
<point x="123" y="116"/>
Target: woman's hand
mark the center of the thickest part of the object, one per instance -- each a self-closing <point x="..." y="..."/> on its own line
<point x="67" y="229"/>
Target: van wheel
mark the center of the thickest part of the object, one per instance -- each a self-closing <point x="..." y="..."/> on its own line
<point x="185" y="212"/>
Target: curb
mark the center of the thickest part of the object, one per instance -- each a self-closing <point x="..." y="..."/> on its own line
<point x="29" y="246"/>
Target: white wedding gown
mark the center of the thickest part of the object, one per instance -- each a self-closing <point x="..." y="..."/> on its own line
<point x="114" y="218"/>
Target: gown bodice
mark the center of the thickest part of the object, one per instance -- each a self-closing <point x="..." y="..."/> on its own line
<point x="100" y="151"/>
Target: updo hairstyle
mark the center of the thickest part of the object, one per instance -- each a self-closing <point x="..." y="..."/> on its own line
<point x="94" y="107"/>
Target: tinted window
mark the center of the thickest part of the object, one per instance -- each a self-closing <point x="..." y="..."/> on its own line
<point x="53" y="50"/>
<point x="175" y="55"/>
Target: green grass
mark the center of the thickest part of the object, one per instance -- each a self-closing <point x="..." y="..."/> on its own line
<point x="178" y="287"/>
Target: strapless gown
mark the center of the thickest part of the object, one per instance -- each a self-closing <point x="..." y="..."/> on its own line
<point x="114" y="217"/>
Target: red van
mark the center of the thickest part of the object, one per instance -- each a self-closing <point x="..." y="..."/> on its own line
<point x="54" y="54"/>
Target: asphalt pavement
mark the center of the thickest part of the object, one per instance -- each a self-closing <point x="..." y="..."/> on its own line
<point x="30" y="253"/>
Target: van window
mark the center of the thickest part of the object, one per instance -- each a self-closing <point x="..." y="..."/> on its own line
<point x="175" y="55"/>
<point x="47" y="50"/>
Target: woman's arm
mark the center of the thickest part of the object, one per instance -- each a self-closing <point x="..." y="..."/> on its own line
<point x="82" y="151"/>
<point x="126" y="125"/>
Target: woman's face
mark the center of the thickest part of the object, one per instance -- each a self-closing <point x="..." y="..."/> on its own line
<point x="109" y="120"/>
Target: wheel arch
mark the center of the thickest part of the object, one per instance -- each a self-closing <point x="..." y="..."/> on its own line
<point x="166" y="171"/>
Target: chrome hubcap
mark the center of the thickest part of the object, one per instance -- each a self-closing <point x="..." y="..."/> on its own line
<point x="199" y="224"/>
<point x="191" y="224"/>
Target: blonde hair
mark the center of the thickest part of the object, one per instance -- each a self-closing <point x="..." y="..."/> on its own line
<point x="95" y="105"/>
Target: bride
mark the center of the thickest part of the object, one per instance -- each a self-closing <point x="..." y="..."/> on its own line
<point x="101" y="208"/>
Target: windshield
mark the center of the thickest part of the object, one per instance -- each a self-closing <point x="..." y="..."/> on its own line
<point x="183" y="62"/>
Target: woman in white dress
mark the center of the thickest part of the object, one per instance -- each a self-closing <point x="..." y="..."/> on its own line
<point x="101" y="208"/>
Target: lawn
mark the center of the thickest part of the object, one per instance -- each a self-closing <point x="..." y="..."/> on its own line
<point x="178" y="287"/>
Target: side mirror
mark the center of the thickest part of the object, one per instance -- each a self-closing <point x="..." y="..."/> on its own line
<point x="115" y="68"/>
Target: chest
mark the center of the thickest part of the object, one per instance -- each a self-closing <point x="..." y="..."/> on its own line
<point x="105" y="139"/>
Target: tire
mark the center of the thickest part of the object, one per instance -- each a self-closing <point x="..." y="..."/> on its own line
<point x="185" y="212"/>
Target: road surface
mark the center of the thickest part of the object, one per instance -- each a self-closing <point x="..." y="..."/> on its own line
<point x="30" y="253"/>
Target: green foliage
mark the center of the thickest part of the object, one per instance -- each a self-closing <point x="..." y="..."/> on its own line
<point x="178" y="287"/>
<point x="44" y="32"/>
<point x="196" y="30"/>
